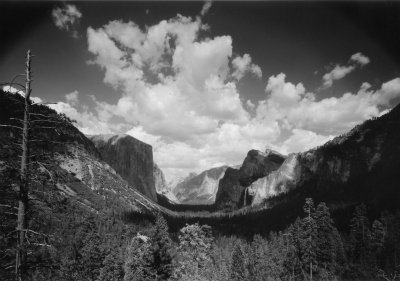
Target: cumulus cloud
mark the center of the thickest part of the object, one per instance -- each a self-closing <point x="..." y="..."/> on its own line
<point x="291" y="105"/>
<point x="186" y="73"/>
<point x="340" y="71"/>
<point x="87" y="122"/>
<point x="243" y="65"/>
<point x="66" y="18"/>
<point x="302" y="140"/>
<point x="177" y="94"/>
<point x="360" y="59"/>
<point x="72" y="98"/>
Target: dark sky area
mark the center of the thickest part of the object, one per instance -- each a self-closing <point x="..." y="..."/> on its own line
<point x="297" y="38"/>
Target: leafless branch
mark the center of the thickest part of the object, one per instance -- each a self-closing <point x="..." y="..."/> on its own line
<point x="17" y="119"/>
<point x="50" y="121"/>
<point x="34" y="232"/>
<point x="39" y="114"/>
<point x="8" y="206"/>
<point x="45" y="127"/>
<point x="11" y="126"/>
<point x="8" y="213"/>
<point x="16" y="77"/>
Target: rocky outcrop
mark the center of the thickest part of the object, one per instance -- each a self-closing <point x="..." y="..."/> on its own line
<point x="130" y="158"/>
<point x="200" y="189"/>
<point x="257" y="164"/>
<point x="229" y="190"/>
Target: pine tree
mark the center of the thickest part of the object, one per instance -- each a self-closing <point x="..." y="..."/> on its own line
<point x="113" y="267"/>
<point x="194" y="252"/>
<point x="308" y="238"/>
<point x="360" y="235"/>
<point x="91" y="256"/>
<point x="275" y="256"/>
<point x="377" y="242"/>
<point x="238" y="271"/>
<point x="390" y="255"/>
<point x="292" y="263"/>
<point x="257" y="264"/>
<point x="161" y="248"/>
<point x="329" y="244"/>
<point x="139" y="260"/>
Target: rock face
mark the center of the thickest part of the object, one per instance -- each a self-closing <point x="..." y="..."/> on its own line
<point x="360" y="166"/>
<point x="200" y="189"/>
<point x="130" y="158"/>
<point x="277" y="182"/>
<point x="232" y="186"/>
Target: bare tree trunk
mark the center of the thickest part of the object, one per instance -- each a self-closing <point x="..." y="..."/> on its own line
<point x="22" y="223"/>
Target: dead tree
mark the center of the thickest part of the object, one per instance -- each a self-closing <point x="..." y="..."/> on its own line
<point x="23" y="186"/>
<point x="29" y="125"/>
<point x="23" y="189"/>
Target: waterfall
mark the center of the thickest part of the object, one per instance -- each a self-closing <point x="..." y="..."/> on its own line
<point x="245" y="197"/>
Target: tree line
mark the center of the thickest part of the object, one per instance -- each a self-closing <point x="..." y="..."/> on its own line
<point x="104" y="249"/>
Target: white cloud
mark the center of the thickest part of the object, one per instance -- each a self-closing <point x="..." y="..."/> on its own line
<point x="360" y="59"/>
<point x="87" y="122"/>
<point x="302" y="140"/>
<point x="177" y="94"/>
<point x="206" y="7"/>
<point x="190" y="74"/>
<point x="340" y="71"/>
<point x="291" y="105"/>
<point x="388" y="92"/>
<point x="72" y="98"/>
<point x="66" y="18"/>
<point x="242" y="65"/>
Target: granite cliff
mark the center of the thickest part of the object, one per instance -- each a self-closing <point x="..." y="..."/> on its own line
<point x="130" y="158"/>
<point x="257" y="164"/>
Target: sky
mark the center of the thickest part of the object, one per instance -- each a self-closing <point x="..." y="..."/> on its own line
<point x="205" y="82"/>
